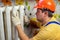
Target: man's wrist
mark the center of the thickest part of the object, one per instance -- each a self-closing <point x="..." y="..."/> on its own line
<point x="18" y="26"/>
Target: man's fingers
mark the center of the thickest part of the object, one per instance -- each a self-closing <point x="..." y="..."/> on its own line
<point x="12" y="17"/>
<point x="14" y="14"/>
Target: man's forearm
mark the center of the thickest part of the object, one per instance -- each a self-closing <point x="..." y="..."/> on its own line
<point x="22" y="35"/>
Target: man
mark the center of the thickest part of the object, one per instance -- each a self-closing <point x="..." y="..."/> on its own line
<point x="50" y="28"/>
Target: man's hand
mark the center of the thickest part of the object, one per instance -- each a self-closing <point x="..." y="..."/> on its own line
<point x="16" y="22"/>
<point x="15" y="19"/>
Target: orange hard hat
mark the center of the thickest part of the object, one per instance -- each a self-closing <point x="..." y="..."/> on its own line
<point x="48" y="4"/>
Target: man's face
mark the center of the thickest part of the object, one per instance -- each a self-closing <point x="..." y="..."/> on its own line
<point x="39" y="15"/>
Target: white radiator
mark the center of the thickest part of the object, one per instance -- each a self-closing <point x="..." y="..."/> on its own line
<point x="7" y="31"/>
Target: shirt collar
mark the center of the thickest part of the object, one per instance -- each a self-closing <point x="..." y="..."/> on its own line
<point x="52" y="19"/>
